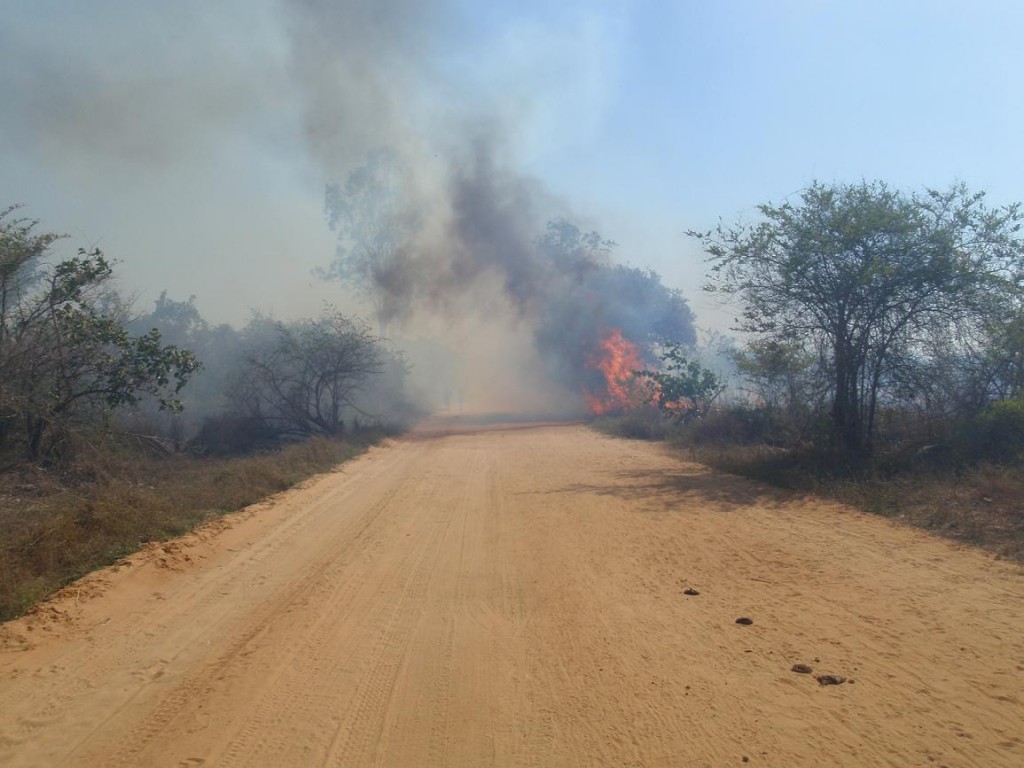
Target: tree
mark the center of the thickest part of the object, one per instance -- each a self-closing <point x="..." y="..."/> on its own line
<point x="374" y="226"/>
<point x="65" y="356"/>
<point x="302" y="377"/>
<point x="1004" y="332"/>
<point x="179" y="321"/>
<point x="680" y="387"/>
<point x="865" y="274"/>
<point x="784" y="378"/>
<point x="20" y="252"/>
<point x="218" y="347"/>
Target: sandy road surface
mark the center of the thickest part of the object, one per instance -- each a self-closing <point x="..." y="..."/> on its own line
<point x="514" y="596"/>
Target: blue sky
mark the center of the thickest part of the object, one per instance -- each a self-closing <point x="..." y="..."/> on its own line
<point x="172" y="134"/>
<point x="731" y="106"/>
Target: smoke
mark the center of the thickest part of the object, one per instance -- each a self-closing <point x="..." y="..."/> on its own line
<point x="493" y="263"/>
<point x="437" y="227"/>
<point x="201" y="135"/>
<point x="127" y="86"/>
<point x="361" y="69"/>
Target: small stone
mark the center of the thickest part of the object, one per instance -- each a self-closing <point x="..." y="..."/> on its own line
<point x="690" y="591"/>
<point x="803" y="669"/>
<point x="830" y="679"/>
<point x="744" y="621"/>
<point x="746" y="759"/>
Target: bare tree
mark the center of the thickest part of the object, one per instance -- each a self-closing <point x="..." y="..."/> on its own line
<point x="305" y="377"/>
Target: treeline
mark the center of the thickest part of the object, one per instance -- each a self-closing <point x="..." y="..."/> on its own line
<point x="77" y="364"/>
<point x="273" y="381"/>
<point x="874" y="321"/>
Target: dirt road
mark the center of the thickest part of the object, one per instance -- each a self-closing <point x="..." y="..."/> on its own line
<point x="514" y="596"/>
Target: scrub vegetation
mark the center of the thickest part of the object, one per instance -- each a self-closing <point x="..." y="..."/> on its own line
<point x="883" y="361"/>
<point x="119" y="428"/>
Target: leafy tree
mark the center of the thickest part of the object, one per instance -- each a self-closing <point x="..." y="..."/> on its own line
<point x="20" y="252"/>
<point x="301" y="378"/>
<point x="179" y="321"/>
<point x="1004" y="333"/>
<point x="681" y="387"/>
<point x="65" y="357"/>
<point x="865" y="275"/>
<point x="591" y="292"/>
<point x="572" y="251"/>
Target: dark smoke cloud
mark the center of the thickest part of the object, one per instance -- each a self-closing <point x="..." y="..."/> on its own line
<point x="496" y="218"/>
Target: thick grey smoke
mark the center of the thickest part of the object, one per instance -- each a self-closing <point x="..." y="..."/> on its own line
<point x="494" y="264"/>
<point x="202" y="134"/>
<point x="433" y="219"/>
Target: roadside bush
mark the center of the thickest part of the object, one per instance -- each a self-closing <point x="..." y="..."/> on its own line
<point x="997" y="434"/>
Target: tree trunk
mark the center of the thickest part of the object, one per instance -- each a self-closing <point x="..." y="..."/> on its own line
<point x="34" y="428"/>
<point x="846" y="411"/>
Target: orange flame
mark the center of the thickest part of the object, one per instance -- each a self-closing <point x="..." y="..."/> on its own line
<point x="616" y="358"/>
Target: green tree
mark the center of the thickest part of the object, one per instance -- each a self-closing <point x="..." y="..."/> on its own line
<point x="785" y="380"/>
<point x="21" y="250"/>
<point x="1004" y="332"/>
<point x="681" y="387"/>
<point x="865" y="274"/>
<point x="65" y="357"/>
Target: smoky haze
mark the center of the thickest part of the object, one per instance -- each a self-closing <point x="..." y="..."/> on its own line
<point x="435" y="222"/>
<point x="189" y="110"/>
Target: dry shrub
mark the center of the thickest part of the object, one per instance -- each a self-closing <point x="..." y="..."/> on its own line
<point x="997" y="434"/>
<point x="232" y="435"/>
<point x="738" y="425"/>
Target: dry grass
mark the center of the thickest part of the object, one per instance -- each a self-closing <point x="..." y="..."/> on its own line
<point x="58" y="524"/>
<point x="977" y="502"/>
<point x="981" y="504"/>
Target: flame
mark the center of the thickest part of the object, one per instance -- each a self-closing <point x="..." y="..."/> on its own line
<point x="616" y="358"/>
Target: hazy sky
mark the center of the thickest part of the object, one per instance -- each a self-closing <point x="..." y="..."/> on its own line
<point x="192" y="140"/>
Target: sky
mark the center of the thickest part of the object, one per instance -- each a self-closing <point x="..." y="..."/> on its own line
<point x="192" y="141"/>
